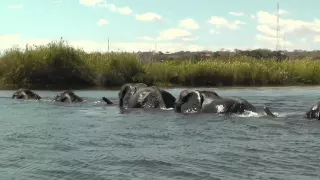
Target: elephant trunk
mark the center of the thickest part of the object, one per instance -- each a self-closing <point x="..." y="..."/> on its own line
<point x="106" y="100"/>
<point x="268" y="112"/>
<point x="177" y="106"/>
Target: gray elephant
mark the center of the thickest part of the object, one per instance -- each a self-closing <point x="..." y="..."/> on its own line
<point x="67" y="96"/>
<point x="207" y="101"/>
<point x="314" y="112"/>
<point x="25" y="94"/>
<point x="139" y="95"/>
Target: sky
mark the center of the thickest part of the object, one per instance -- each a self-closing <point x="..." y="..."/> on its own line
<point x="166" y="25"/>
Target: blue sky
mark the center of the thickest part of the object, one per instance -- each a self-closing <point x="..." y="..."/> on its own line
<point x="171" y="25"/>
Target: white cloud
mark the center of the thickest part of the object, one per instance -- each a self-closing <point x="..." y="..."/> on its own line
<point x="15" y="6"/>
<point x="144" y="46"/>
<point x="291" y="28"/>
<point x="273" y="40"/>
<point x="10" y="40"/>
<point x="316" y="38"/>
<point x="236" y="13"/>
<point x="146" y="38"/>
<point x="221" y="22"/>
<point x="149" y="16"/>
<point x="212" y="31"/>
<point x="172" y="35"/>
<point x="112" y="7"/>
<point x="252" y="16"/>
<point x="289" y="25"/>
<point x="125" y="10"/>
<point x="304" y="40"/>
<point x="102" y="22"/>
<point x="91" y="2"/>
<point x="189" y="24"/>
<point x="282" y="11"/>
<point x="104" y="4"/>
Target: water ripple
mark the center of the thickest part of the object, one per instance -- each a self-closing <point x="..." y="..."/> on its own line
<point x="90" y="140"/>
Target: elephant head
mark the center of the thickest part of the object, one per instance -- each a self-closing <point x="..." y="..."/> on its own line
<point x="314" y="112"/>
<point x="243" y="105"/>
<point x="25" y="94"/>
<point x="189" y="100"/>
<point x="67" y="96"/>
<point x="126" y="91"/>
<point x="147" y="97"/>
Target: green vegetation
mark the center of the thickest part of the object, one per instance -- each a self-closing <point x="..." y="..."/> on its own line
<point x="58" y="65"/>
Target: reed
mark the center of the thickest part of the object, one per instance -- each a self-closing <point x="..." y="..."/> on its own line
<point x="59" y="65"/>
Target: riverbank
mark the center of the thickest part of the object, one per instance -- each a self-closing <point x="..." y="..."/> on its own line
<point x="60" y="66"/>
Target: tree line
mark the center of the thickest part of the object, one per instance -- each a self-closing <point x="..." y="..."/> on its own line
<point x="260" y="54"/>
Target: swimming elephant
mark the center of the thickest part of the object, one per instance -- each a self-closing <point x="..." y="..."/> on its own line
<point x="67" y="96"/>
<point x="314" y="112"/>
<point x="139" y="95"/>
<point x="25" y="94"/>
<point x="207" y="101"/>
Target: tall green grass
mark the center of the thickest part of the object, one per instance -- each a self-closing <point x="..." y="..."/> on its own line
<point x="58" y="65"/>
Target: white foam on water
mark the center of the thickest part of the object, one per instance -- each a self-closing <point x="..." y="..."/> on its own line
<point x="46" y="100"/>
<point x="250" y="114"/>
<point x="254" y="114"/>
<point x="167" y="109"/>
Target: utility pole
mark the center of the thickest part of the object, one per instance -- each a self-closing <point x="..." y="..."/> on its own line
<point x="278" y="26"/>
<point x="284" y="42"/>
<point x="108" y="46"/>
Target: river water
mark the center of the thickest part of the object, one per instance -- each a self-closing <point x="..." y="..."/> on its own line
<point x="93" y="141"/>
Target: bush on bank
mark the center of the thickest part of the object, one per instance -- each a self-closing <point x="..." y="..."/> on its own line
<point x="58" y="65"/>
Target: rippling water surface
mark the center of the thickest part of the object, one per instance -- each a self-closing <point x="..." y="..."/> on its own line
<point x="92" y="141"/>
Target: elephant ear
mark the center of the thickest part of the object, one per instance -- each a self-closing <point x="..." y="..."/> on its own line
<point x="191" y="101"/>
<point x="123" y="90"/>
<point x="59" y="97"/>
<point x="24" y="94"/>
<point x="68" y="97"/>
<point x="168" y="98"/>
<point x="32" y="94"/>
<point x="124" y="95"/>
<point x="78" y="98"/>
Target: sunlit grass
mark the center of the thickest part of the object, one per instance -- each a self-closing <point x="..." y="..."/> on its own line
<point x="59" y="65"/>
